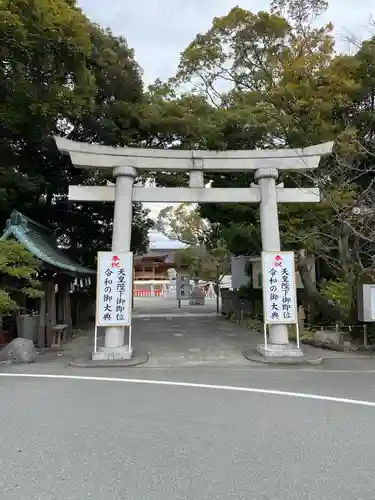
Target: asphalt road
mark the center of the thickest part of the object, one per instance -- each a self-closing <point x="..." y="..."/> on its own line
<point x="77" y="439"/>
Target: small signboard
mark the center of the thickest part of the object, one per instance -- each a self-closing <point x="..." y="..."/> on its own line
<point x="366" y="303"/>
<point x="183" y="287"/>
<point x="279" y="288"/>
<point x="114" y="289"/>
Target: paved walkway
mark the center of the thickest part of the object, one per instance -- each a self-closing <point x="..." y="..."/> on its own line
<point x="195" y="337"/>
<point x="178" y="341"/>
<point x="174" y="341"/>
<point x="188" y="336"/>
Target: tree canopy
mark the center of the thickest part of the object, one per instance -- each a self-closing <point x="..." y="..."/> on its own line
<point x="62" y="74"/>
<point x="206" y="255"/>
<point x="275" y="79"/>
<point x="18" y="273"/>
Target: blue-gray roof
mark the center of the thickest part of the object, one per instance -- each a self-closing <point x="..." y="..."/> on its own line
<point x="41" y="243"/>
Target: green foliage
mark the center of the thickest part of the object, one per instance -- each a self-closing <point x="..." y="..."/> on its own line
<point x="206" y="257"/>
<point x="167" y="117"/>
<point x="184" y="223"/>
<point x="112" y="119"/>
<point x="341" y="292"/>
<point x="19" y="272"/>
<point x="62" y="74"/>
<point x="259" y="80"/>
<point x="203" y="263"/>
<point x="44" y="45"/>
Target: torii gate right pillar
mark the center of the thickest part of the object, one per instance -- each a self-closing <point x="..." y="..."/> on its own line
<point x="270" y="233"/>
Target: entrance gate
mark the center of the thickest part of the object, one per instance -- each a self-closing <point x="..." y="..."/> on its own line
<point x="125" y="164"/>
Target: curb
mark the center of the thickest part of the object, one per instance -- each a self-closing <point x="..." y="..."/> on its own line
<point x="121" y="363"/>
<point x="303" y="360"/>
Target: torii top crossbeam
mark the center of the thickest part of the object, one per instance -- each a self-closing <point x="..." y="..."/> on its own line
<point x="85" y="155"/>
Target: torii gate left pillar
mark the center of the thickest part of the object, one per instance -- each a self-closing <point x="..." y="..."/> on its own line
<point x="115" y="342"/>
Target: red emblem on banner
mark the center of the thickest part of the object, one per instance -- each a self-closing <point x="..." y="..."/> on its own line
<point x="278" y="261"/>
<point x="115" y="262"/>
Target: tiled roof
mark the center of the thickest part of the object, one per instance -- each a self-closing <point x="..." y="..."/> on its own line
<point x="41" y="243"/>
<point x="158" y="241"/>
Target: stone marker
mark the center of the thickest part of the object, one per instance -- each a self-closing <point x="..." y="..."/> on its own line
<point x="19" y="351"/>
<point x="197" y="297"/>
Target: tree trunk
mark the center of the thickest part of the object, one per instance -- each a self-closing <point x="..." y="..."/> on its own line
<point x="324" y="306"/>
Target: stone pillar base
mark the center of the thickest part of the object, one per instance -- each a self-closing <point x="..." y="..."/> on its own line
<point x="112" y="353"/>
<point x="280" y="351"/>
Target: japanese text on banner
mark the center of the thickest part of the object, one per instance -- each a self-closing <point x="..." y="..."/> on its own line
<point x="279" y="287"/>
<point x="114" y="289"/>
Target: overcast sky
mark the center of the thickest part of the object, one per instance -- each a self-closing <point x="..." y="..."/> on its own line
<point x="159" y="30"/>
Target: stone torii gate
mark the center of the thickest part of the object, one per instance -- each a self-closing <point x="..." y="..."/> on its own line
<point x="125" y="164"/>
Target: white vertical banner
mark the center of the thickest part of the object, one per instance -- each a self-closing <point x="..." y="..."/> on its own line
<point x="372" y="303"/>
<point x="114" y="289"/>
<point x="279" y="288"/>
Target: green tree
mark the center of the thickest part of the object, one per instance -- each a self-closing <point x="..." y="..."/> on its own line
<point x="61" y="74"/>
<point x="184" y="223"/>
<point x="44" y="82"/>
<point x="19" y="273"/>
<point x="43" y="72"/>
<point x="276" y="81"/>
<point x="171" y="119"/>
<point x="275" y="69"/>
<point x="207" y="264"/>
<point x="206" y="256"/>
<point x="113" y="120"/>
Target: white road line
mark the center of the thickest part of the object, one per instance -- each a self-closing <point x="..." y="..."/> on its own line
<point x="195" y="386"/>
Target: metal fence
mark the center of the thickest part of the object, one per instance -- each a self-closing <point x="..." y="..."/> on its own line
<point x="231" y="303"/>
<point x="361" y="335"/>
